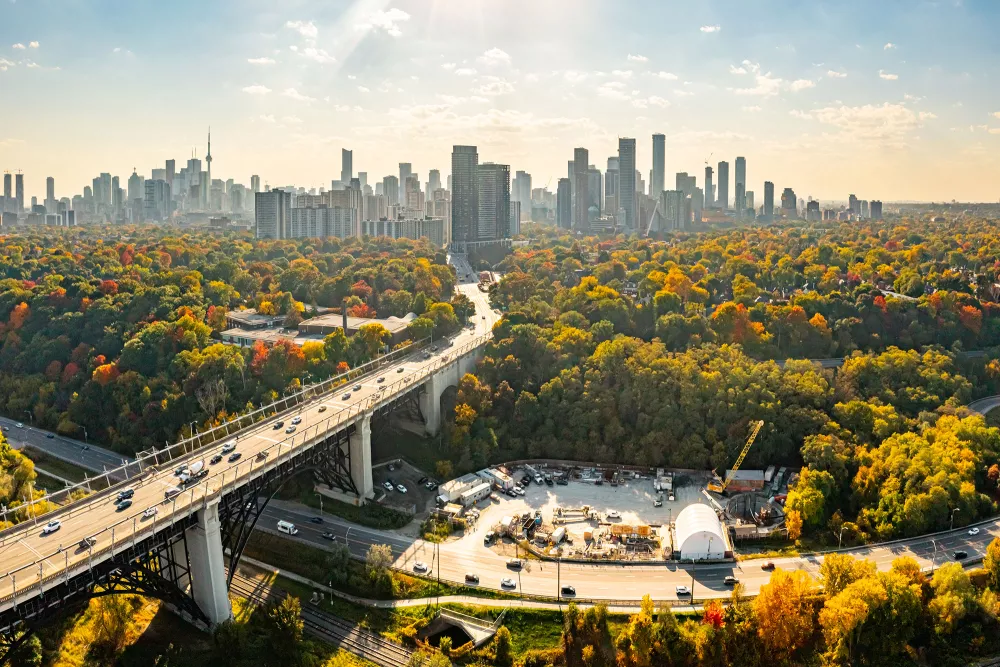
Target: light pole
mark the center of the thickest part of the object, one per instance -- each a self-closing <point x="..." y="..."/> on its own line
<point x="933" y="555"/>
<point x="953" y="518"/>
<point x="559" y="579"/>
<point x="840" y="537"/>
<point x="320" y="503"/>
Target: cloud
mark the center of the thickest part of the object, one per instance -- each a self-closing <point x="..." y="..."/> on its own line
<point x="495" y="86"/>
<point x="912" y="98"/>
<point x="363" y="89"/>
<point x="652" y="101"/>
<point x="435" y="121"/>
<point x="887" y="124"/>
<point x="612" y="90"/>
<point x="261" y="61"/>
<point x="889" y="47"/>
<point x="494" y="57"/>
<point x="996" y="114"/>
<point x="5" y="64"/>
<point x="465" y="71"/>
<point x="833" y="74"/>
<point x="801" y="84"/>
<point x="448" y="66"/>
<point x="267" y="118"/>
<point x="387" y="21"/>
<point x="710" y="28"/>
<point x="291" y="93"/>
<point x="733" y="69"/>
<point x="291" y="120"/>
<point x="766" y="85"/>
<point x="33" y="45"/>
<point x="752" y="109"/>
<point x="637" y="58"/>
<point x="18" y="46"/>
<point x="575" y="76"/>
<point x="317" y="55"/>
<point x="680" y="92"/>
<point x="668" y="76"/>
<point x="307" y="29"/>
<point x="622" y="73"/>
<point x="257" y="89"/>
<point x="888" y="77"/>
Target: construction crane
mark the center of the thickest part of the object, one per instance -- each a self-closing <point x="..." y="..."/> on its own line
<point x="718" y="485"/>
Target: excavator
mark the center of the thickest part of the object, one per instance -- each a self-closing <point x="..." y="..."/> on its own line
<point x="718" y="485"/>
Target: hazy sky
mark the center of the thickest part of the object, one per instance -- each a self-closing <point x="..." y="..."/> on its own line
<point x="890" y="99"/>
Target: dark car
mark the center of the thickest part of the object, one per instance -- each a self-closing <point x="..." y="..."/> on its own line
<point x="422" y="480"/>
<point x="123" y="505"/>
<point x="234" y="457"/>
<point x="568" y="590"/>
<point x="961" y="555"/>
<point x="315" y="519"/>
<point x="329" y="536"/>
<point x="562" y="481"/>
<point x="87" y="543"/>
<point x="49" y="436"/>
<point x="127" y="493"/>
<point x="278" y="425"/>
<point x="769" y="565"/>
<point x="215" y="459"/>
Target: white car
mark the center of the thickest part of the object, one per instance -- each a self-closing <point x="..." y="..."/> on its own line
<point x="973" y="531"/>
<point x="507" y="582"/>
<point x="150" y="512"/>
<point x="19" y="425"/>
<point x="420" y="566"/>
<point x="683" y="590"/>
<point x="290" y="429"/>
<point x="229" y="446"/>
<point x="51" y="527"/>
<point x="387" y="486"/>
<point x="297" y="420"/>
<point x="401" y="488"/>
<point x="518" y="490"/>
<point x="614" y="514"/>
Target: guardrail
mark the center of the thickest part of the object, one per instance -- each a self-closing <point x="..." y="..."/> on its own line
<point x="206" y="492"/>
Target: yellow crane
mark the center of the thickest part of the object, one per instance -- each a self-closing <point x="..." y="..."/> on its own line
<point x="718" y="485"/>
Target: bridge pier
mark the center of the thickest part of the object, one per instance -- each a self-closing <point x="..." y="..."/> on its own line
<point x="361" y="456"/>
<point x="430" y="400"/>
<point x="208" y="568"/>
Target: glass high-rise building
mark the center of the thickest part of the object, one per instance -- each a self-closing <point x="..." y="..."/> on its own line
<point x="658" y="182"/>
<point x="723" y="199"/>
<point x="626" y="182"/>
<point x="493" y="221"/>
<point x="464" y="194"/>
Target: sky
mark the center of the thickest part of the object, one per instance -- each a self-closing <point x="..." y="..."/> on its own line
<point x="887" y="99"/>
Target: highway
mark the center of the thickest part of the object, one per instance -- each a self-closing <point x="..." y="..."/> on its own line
<point x="26" y="554"/>
<point x="81" y="454"/>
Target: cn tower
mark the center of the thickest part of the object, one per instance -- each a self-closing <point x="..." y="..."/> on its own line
<point x="208" y="186"/>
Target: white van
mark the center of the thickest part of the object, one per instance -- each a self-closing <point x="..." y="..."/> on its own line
<point x="287" y="528"/>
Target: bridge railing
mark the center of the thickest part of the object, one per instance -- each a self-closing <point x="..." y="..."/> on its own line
<point x="156" y="457"/>
<point x="33" y="575"/>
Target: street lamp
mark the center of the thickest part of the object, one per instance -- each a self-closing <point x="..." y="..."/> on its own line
<point x="953" y="518"/>
<point x="320" y="503"/>
<point x="933" y="555"/>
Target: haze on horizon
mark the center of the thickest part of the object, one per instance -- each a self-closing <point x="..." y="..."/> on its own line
<point x="892" y="100"/>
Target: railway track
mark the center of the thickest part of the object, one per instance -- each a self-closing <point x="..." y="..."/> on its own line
<point x="331" y="629"/>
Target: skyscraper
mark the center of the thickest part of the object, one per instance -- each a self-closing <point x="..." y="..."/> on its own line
<point x="741" y="185"/>
<point x="789" y="204"/>
<point x="564" y="204"/>
<point x="709" y="187"/>
<point x="255" y="183"/>
<point x="171" y="171"/>
<point x="658" y="182"/>
<point x="390" y="188"/>
<point x="611" y="187"/>
<point x="464" y="194"/>
<point x="206" y="187"/>
<point x="521" y="191"/>
<point x="674" y="210"/>
<point x="852" y="204"/>
<point x="581" y="189"/>
<point x="405" y="171"/>
<point x="494" y="202"/>
<point x="274" y="210"/>
<point x="433" y="181"/>
<point x="50" y="189"/>
<point x="876" y="209"/>
<point x="595" y="187"/>
<point x="768" y="201"/>
<point x="723" y="199"/>
<point x="346" y="166"/>
<point x="19" y="192"/>
<point x="627" y="182"/>
<point x="136" y="190"/>
<point x="8" y="198"/>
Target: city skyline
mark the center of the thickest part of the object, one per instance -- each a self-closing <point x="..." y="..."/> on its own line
<point x="896" y="111"/>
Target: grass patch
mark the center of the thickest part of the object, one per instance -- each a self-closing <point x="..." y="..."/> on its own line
<point x="50" y="484"/>
<point x="63" y="469"/>
<point x="300" y="489"/>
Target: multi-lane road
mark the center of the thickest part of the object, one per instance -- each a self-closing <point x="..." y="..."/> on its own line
<point x="90" y="457"/>
<point x="27" y="553"/>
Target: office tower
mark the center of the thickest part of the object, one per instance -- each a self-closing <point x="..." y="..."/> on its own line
<point x="136" y="190"/>
<point x="171" y="172"/>
<point x="521" y="190"/>
<point x="697" y="205"/>
<point x="414" y="199"/>
<point x="674" y="210"/>
<point x="768" y="201"/>
<point x="741" y="185"/>
<point x="19" y="192"/>
<point x="363" y="178"/>
<point x="564" y="204"/>
<point x="273" y="214"/>
<point x="595" y="188"/>
<point x="812" y="211"/>
<point x="50" y="189"/>
<point x="405" y="171"/>
<point x="390" y="188"/>
<point x="876" y="209"/>
<point x="464" y="194"/>
<point x="627" y="182"/>
<point x="657" y="180"/>
<point x="581" y="189"/>
<point x="156" y="205"/>
<point x="433" y="181"/>
<point x="723" y="185"/>
<point x="514" y="227"/>
<point x="255" y="183"/>
<point x="709" y="187"/>
<point x="789" y="204"/>
<point x="8" y="197"/>
<point x="494" y="201"/>
<point x="611" y="187"/>
<point x="322" y="222"/>
<point x="852" y="204"/>
<point x="640" y="185"/>
<point x="749" y="200"/>
<point x="346" y="166"/>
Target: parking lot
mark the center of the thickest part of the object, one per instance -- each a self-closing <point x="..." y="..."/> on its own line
<point x="415" y="499"/>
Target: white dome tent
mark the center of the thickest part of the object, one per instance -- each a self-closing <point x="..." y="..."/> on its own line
<point x="699" y="534"/>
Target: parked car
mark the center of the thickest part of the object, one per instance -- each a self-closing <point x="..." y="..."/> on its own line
<point x="51" y="527"/>
<point x="614" y="514"/>
<point x="658" y="502"/>
<point x="401" y="488"/>
<point x="422" y="480"/>
<point x="562" y="481"/>
<point x="387" y="486"/>
<point x="518" y="490"/>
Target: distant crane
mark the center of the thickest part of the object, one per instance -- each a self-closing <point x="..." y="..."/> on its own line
<point x="718" y="485"/>
<point x="649" y="227"/>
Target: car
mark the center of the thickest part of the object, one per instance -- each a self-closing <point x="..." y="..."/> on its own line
<point x="483" y="317"/>
<point x="614" y="514"/>
<point x="297" y="420"/>
<point x="599" y="482"/>
<point x="767" y="565"/>
<point x="510" y="492"/>
<point x="391" y="481"/>
<point x="682" y="590"/>
<point x="671" y="497"/>
<point x="278" y="425"/>
<point x="215" y="459"/>
<point x="51" y="527"/>
<point x="471" y="578"/>
<point x="434" y="348"/>
<point x="387" y="486"/>
<point x="263" y="455"/>
<point x="329" y="536"/>
<point x="562" y="481"/>
<point x="381" y="380"/>
<point x="730" y="581"/>
<point x="123" y="505"/>
<point x="346" y="396"/>
<point x="229" y="446"/>
<point x="86" y="448"/>
<point x="507" y="582"/>
<point x="322" y="408"/>
<point x="392" y="467"/>
<point x="658" y="502"/>
<point x="170" y="493"/>
<point x="518" y="491"/>
<point x="973" y="531"/>
<point x="420" y="566"/>
<point x="234" y="457"/>
<point x="422" y="480"/>
<point x="290" y="429"/>
<point x="19" y="425"/>
<point x="357" y="387"/>
<point x="400" y="369"/>
<point x="181" y="470"/>
<point x="401" y="488"/>
<point x="568" y="590"/>
<point x="86" y="543"/>
<point x="124" y="494"/>
<point x="548" y="481"/>
<point x="538" y="479"/>
<point x="961" y="555"/>
<point x="49" y="436"/>
<point x="315" y="519"/>
<point x="149" y="512"/>
<point x="515" y="563"/>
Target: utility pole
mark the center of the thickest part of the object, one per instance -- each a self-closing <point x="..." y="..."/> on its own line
<point x="559" y="579"/>
<point x="953" y="518"/>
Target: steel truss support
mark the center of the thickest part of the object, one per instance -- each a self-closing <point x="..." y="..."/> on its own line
<point x="155" y="567"/>
<point x="407" y="405"/>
